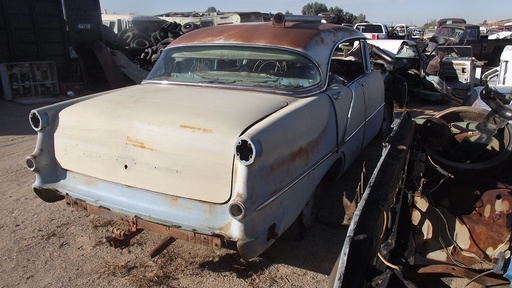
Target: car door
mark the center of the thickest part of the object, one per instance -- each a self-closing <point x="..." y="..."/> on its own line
<point x="372" y="85"/>
<point x="347" y="91"/>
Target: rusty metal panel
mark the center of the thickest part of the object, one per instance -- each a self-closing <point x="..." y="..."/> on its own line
<point x="317" y="41"/>
<point x="468" y="228"/>
<point x="211" y="241"/>
<point x="365" y="232"/>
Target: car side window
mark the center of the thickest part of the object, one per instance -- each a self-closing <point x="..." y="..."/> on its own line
<point x="407" y="51"/>
<point x="346" y="62"/>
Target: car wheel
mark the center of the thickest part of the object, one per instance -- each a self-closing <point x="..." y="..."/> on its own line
<point x="486" y="161"/>
<point x="310" y="211"/>
<point x="306" y="218"/>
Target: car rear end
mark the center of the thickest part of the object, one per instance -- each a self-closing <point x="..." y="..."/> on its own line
<point x="373" y="30"/>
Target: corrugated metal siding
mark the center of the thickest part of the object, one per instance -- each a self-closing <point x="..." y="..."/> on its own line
<point x="33" y="30"/>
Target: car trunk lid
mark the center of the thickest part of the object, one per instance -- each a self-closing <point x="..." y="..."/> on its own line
<point x="168" y="139"/>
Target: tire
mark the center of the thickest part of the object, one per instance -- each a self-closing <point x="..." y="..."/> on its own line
<point x="127" y="37"/>
<point x="164" y="43"/>
<point x="488" y="161"/>
<point x="187" y="27"/>
<point x="306" y="218"/>
<point x="310" y="210"/>
<point x="139" y="43"/>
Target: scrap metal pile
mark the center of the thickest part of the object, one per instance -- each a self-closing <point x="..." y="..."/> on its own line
<point x="446" y="213"/>
<point x="144" y="48"/>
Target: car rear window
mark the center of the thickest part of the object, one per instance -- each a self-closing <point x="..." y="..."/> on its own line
<point x="262" y="67"/>
<point x="370" y="28"/>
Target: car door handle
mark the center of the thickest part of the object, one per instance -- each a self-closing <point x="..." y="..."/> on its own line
<point x="336" y="95"/>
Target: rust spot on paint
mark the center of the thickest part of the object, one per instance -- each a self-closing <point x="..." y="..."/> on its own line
<point x="137" y="144"/>
<point x="300" y="156"/>
<point x="226" y="229"/>
<point x="197" y="129"/>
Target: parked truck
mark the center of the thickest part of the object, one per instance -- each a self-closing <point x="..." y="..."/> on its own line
<point x="484" y="49"/>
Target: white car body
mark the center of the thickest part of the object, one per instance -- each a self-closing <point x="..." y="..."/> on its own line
<point x="222" y="143"/>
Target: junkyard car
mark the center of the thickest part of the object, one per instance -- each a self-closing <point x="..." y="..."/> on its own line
<point x="373" y="30"/>
<point x="417" y="33"/>
<point x="227" y="139"/>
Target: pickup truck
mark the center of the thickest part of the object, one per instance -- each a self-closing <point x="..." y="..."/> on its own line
<point x="484" y="49"/>
<point x="373" y="30"/>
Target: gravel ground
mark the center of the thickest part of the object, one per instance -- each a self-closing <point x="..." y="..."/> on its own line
<point x="51" y="245"/>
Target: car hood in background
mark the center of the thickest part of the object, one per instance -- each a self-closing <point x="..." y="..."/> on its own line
<point x="167" y="139"/>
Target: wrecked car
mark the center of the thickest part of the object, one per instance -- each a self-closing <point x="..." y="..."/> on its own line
<point x="433" y="208"/>
<point x="227" y="140"/>
<point x="437" y="210"/>
<point x="484" y="49"/>
<point x="406" y="65"/>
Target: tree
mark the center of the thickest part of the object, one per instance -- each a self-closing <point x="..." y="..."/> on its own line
<point x="336" y="10"/>
<point x="211" y="9"/>
<point x="360" y="18"/>
<point x="337" y="14"/>
<point x="314" y="8"/>
<point x="430" y="24"/>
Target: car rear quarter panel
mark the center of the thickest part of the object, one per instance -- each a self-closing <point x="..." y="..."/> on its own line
<point x="292" y="139"/>
<point x="296" y="143"/>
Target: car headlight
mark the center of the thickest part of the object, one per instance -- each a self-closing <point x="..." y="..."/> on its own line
<point x="247" y="150"/>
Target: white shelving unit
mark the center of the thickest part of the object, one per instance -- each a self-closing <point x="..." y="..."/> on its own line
<point x="29" y="79"/>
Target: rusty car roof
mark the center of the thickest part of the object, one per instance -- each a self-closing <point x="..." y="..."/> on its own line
<point x="315" y="39"/>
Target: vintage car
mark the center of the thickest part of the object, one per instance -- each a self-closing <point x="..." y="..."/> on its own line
<point x="373" y="30"/>
<point x="227" y="140"/>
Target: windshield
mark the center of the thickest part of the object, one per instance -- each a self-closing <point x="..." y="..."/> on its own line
<point x="451" y="32"/>
<point x="243" y="66"/>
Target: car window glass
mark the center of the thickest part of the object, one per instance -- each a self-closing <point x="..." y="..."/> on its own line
<point x="370" y="28"/>
<point x="237" y="66"/>
<point x="346" y="63"/>
<point x="407" y="51"/>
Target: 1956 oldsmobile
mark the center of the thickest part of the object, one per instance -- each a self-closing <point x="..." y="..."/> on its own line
<point x="226" y="141"/>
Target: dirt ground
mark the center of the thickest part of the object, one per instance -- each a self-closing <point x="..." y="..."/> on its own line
<point x="51" y="245"/>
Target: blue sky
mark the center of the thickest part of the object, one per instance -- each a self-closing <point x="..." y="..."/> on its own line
<point x="387" y="11"/>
